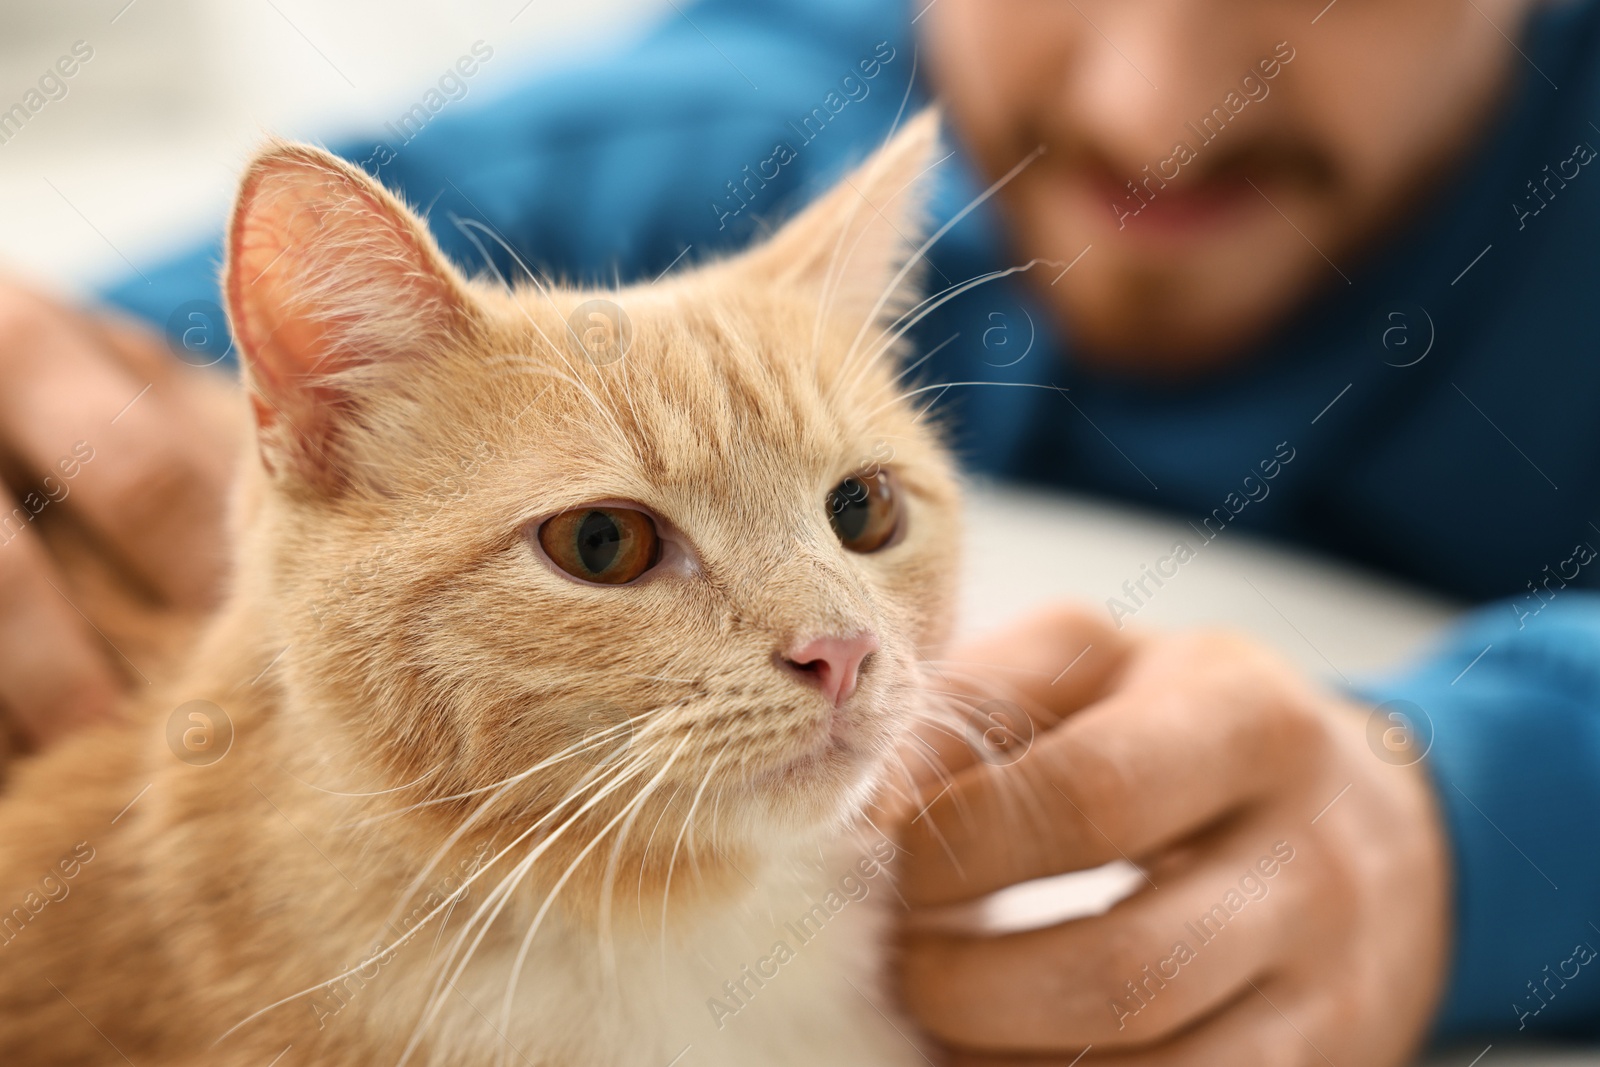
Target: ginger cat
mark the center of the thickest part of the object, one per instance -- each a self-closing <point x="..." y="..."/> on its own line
<point x="564" y="653"/>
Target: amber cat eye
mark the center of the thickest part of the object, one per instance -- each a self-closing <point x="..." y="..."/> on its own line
<point x="602" y="544"/>
<point x="865" y="511"/>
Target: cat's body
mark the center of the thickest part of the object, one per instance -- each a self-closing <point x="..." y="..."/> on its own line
<point x="164" y="942"/>
<point x="415" y="795"/>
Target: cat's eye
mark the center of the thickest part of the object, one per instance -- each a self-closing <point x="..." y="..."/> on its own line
<point x="608" y="545"/>
<point x="865" y="511"/>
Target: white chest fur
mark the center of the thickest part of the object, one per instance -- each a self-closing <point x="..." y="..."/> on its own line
<point x="787" y="976"/>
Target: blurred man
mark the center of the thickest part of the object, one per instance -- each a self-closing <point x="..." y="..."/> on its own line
<point x="1317" y="271"/>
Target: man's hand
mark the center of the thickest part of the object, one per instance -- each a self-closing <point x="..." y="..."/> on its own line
<point x="100" y="427"/>
<point x="1295" y="910"/>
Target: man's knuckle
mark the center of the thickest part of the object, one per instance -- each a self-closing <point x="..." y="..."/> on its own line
<point x="1066" y="619"/>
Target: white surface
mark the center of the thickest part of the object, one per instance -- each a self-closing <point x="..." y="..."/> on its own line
<point x="1026" y="549"/>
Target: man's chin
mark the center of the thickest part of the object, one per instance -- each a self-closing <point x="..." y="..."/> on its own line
<point x="1137" y="315"/>
<point x="1185" y="290"/>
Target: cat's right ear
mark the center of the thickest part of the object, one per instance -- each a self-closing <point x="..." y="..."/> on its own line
<point x="329" y="280"/>
<point x="856" y="246"/>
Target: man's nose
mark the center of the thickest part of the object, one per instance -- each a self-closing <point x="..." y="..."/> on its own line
<point x="1135" y="77"/>
<point x="833" y="662"/>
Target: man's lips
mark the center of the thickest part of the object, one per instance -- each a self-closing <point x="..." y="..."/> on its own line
<point x="1177" y="209"/>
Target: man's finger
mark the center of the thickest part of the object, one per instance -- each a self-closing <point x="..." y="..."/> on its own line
<point x="1200" y="726"/>
<point x="1149" y="968"/>
<point x="54" y="671"/>
<point x="1266" y="1022"/>
<point x="1004" y="688"/>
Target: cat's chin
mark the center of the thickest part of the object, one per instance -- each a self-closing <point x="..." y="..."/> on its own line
<point x="821" y="788"/>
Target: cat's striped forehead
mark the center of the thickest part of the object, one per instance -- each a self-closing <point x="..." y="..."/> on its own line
<point x="722" y="382"/>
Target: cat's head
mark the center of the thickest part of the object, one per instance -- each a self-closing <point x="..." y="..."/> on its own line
<point x="562" y="550"/>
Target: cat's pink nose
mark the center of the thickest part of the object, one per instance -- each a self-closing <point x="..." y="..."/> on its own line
<point x="833" y="662"/>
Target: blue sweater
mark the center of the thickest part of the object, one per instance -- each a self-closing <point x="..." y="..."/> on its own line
<point x="1441" y="408"/>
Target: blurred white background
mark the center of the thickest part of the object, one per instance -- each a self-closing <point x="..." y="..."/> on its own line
<point x="139" y="157"/>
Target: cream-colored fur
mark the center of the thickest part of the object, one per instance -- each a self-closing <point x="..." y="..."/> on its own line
<point x="417" y="848"/>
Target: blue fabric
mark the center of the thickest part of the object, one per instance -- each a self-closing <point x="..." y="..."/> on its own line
<point x="1475" y="471"/>
<point x="1514" y="707"/>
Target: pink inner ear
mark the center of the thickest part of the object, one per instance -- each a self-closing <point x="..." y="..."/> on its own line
<point x="326" y="272"/>
<point x="282" y="209"/>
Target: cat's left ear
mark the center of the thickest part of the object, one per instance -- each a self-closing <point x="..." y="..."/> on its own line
<point x="854" y="246"/>
<point x="330" y="281"/>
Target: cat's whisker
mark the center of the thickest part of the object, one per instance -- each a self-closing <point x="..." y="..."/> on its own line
<point x="861" y="364"/>
<point x="605" y="943"/>
<point x="910" y="368"/>
<point x="698" y="831"/>
<point x="497" y="900"/>
<point x="949" y="224"/>
<point x="834" y="276"/>
<point x="895" y="283"/>
<point x="933" y="827"/>
<point x="666" y="893"/>
<point x="389" y="950"/>
<point x="488" y="261"/>
<point x="374" y="793"/>
<point x="460" y="891"/>
<point x="501" y="895"/>
<point x="1021" y="804"/>
<point x="596" y="739"/>
<point x="449" y="843"/>
<point x="1040" y="715"/>
<point x="465" y="226"/>
<point x="908" y="319"/>
<point x="592" y="741"/>
<point x="930" y="757"/>
<point x="444" y="924"/>
<point x="931" y="304"/>
<point x="544" y="290"/>
<point x="607" y="887"/>
<point x="661" y="678"/>
<point x="835" y="273"/>
<point x="600" y="737"/>
<point x="544" y="909"/>
<point x="644" y="859"/>
<point x="984" y="670"/>
<point x="889" y="882"/>
<point x="963" y="385"/>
